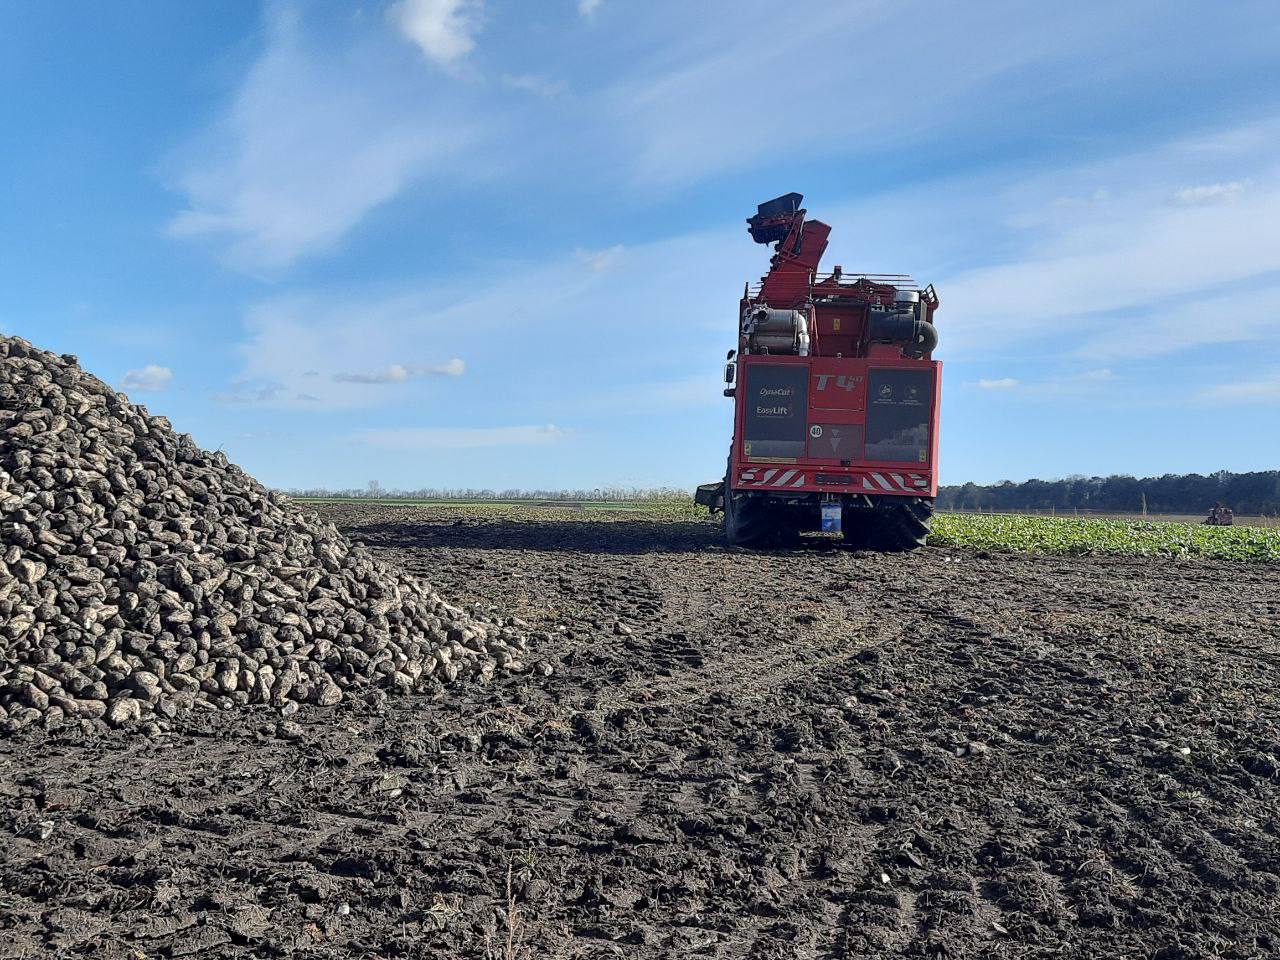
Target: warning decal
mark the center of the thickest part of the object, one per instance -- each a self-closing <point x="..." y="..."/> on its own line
<point x="835" y="441"/>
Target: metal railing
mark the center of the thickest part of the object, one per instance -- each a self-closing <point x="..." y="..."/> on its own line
<point x="900" y="281"/>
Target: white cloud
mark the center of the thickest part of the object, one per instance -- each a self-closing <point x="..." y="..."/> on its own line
<point x="600" y="260"/>
<point x="450" y="368"/>
<point x="1053" y="386"/>
<point x="459" y="438"/>
<point x="554" y="314"/>
<point x="445" y="30"/>
<point x="322" y="352"/>
<point x="395" y="373"/>
<point x="251" y="394"/>
<point x="1249" y="391"/>
<point x="399" y="373"/>
<point x="322" y="130"/>
<point x="588" y="8"/>
<point x="315" y="138"/>
<point x="686" y="104"/>
<point x="1084" y="383"/>
<point x="1207" y="195"/>
<point x="1111" y="279"/>
<point x="149" y="379"/>
<point x="1197" y="320"/>
<point x="1100" y="195"/>
<point x="536" y="84"/>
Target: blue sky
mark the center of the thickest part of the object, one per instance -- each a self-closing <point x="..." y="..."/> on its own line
<point x="459" y="243"/>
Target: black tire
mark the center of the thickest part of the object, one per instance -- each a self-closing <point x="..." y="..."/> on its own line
<point x="893" y="527"/>
<point x="746" y="524"/>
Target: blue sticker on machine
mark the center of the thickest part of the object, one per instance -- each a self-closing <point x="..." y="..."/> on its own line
<point x="831" y="513"/>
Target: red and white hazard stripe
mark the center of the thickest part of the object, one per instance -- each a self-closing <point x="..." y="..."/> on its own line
<point x="874" y="481"/>
<point x="773" y="477"/>
<point x="879" y="481"/>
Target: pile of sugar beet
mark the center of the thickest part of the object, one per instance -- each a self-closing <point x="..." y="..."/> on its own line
<point x="142" y="576"/>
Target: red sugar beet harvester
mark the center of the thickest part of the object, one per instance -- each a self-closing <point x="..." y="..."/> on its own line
<point x="836" y="399"/>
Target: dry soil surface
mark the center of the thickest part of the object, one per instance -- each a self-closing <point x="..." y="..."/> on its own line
<point x="711" y="753"/>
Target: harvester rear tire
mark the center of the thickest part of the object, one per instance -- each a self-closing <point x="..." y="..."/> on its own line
<point x="892" y="527"/>
<point x="746" y="523"/>
<point x="905" y="526"/>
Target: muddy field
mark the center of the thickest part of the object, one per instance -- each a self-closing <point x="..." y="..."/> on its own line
<point x="711" y="754"/>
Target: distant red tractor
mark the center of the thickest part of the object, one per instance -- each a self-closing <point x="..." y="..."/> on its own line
<point x="836" y="399"/>
<point x="1220" y="515"/>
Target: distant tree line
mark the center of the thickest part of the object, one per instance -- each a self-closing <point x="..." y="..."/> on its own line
<point x="611" y="494"/>
<point x="1246" y="493"/>
<point x="1190" y="493"/>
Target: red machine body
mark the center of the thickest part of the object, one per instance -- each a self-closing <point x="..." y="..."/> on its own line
<point x="837" y="396"/>
<point x="835" y="458"/>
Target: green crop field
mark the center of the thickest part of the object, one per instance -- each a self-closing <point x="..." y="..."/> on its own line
<point x="1117" y="537"/>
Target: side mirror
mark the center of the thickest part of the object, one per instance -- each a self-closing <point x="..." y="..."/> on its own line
<point x="730" y="371"/>
<point x="729" y="355"/>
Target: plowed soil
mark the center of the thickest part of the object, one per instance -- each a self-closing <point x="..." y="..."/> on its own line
<point x="712" y="753"/>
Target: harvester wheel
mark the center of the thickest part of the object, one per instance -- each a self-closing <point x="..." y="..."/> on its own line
<point x="746" y="524"/>
<point x="892" y="527"/>
<point x="905" y="526"/>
